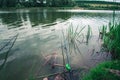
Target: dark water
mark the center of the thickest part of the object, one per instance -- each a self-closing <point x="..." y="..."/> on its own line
<point x="40" y="32"/>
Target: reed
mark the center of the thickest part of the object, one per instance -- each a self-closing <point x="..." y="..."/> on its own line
<point x="108" y="70"/>
<point x="70" y="40"/>
<point x="74" y="35"/>
<point x="111" y="40"/>
<point x="69" y="43"/>
<point x="102" y="31"/>
<point x="89" y="34"/>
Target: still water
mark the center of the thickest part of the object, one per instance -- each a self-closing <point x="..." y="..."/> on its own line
<point x="40" y="34"/>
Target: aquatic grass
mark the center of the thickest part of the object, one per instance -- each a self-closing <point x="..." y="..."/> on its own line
<point x="111" y="40"/>
<point x="74" y="34"/>
<point x="89" y="34"/>
<point x="77" y="49"/>
<point x="103" y="31"/>
<point x="62" y="53"/>
<point x="65" y="46"/>
<point x="110" y="27"/>
<point x="110" y="36"/>
<point x="67" y="51"/>
<point x="99" y="30"/>
<point x="108" y="70"/>
<point x="69" y="43"/>
<point x="73" y="37"/>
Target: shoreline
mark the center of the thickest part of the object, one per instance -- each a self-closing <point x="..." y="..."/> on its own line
<point x="75" y="8"/>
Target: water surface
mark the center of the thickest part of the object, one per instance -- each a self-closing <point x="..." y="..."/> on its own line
<point x="40" y="34"/>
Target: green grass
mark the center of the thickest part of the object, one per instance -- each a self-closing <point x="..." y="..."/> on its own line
<point x="100" y="72"/>
<point x="111" y="39"/>
<point x="102" y="31"/>
<point x="111" y="42"/>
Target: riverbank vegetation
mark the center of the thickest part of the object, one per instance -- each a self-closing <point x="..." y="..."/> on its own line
<point x="108" y="70"/>
<point x="112" y="40"/>
<point x="105" y="71"/>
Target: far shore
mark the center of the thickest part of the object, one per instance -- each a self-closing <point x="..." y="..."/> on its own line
<point x="90" y="7"/>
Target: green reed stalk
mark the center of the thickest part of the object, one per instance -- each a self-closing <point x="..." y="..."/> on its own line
<point x="89" y="33"/>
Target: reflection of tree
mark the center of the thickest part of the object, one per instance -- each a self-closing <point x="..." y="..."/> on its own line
<point x="8" y="18"/>
<point x="47" y="17"/>
<point x="36" y="16"/>
<point x="12" y="19"/>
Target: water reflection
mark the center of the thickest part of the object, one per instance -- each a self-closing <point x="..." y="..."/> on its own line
<point x="36" y="17"/>
<point x="40" y="34"/>
<point x="27" y="19"/>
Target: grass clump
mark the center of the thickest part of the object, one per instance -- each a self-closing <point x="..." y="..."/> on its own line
<point x="109" y="70"/>
<point x="111" y="39"/>
<point x="103" y="71"/>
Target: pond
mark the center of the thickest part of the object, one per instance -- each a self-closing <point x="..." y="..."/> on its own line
<point x="41" y="33"/>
